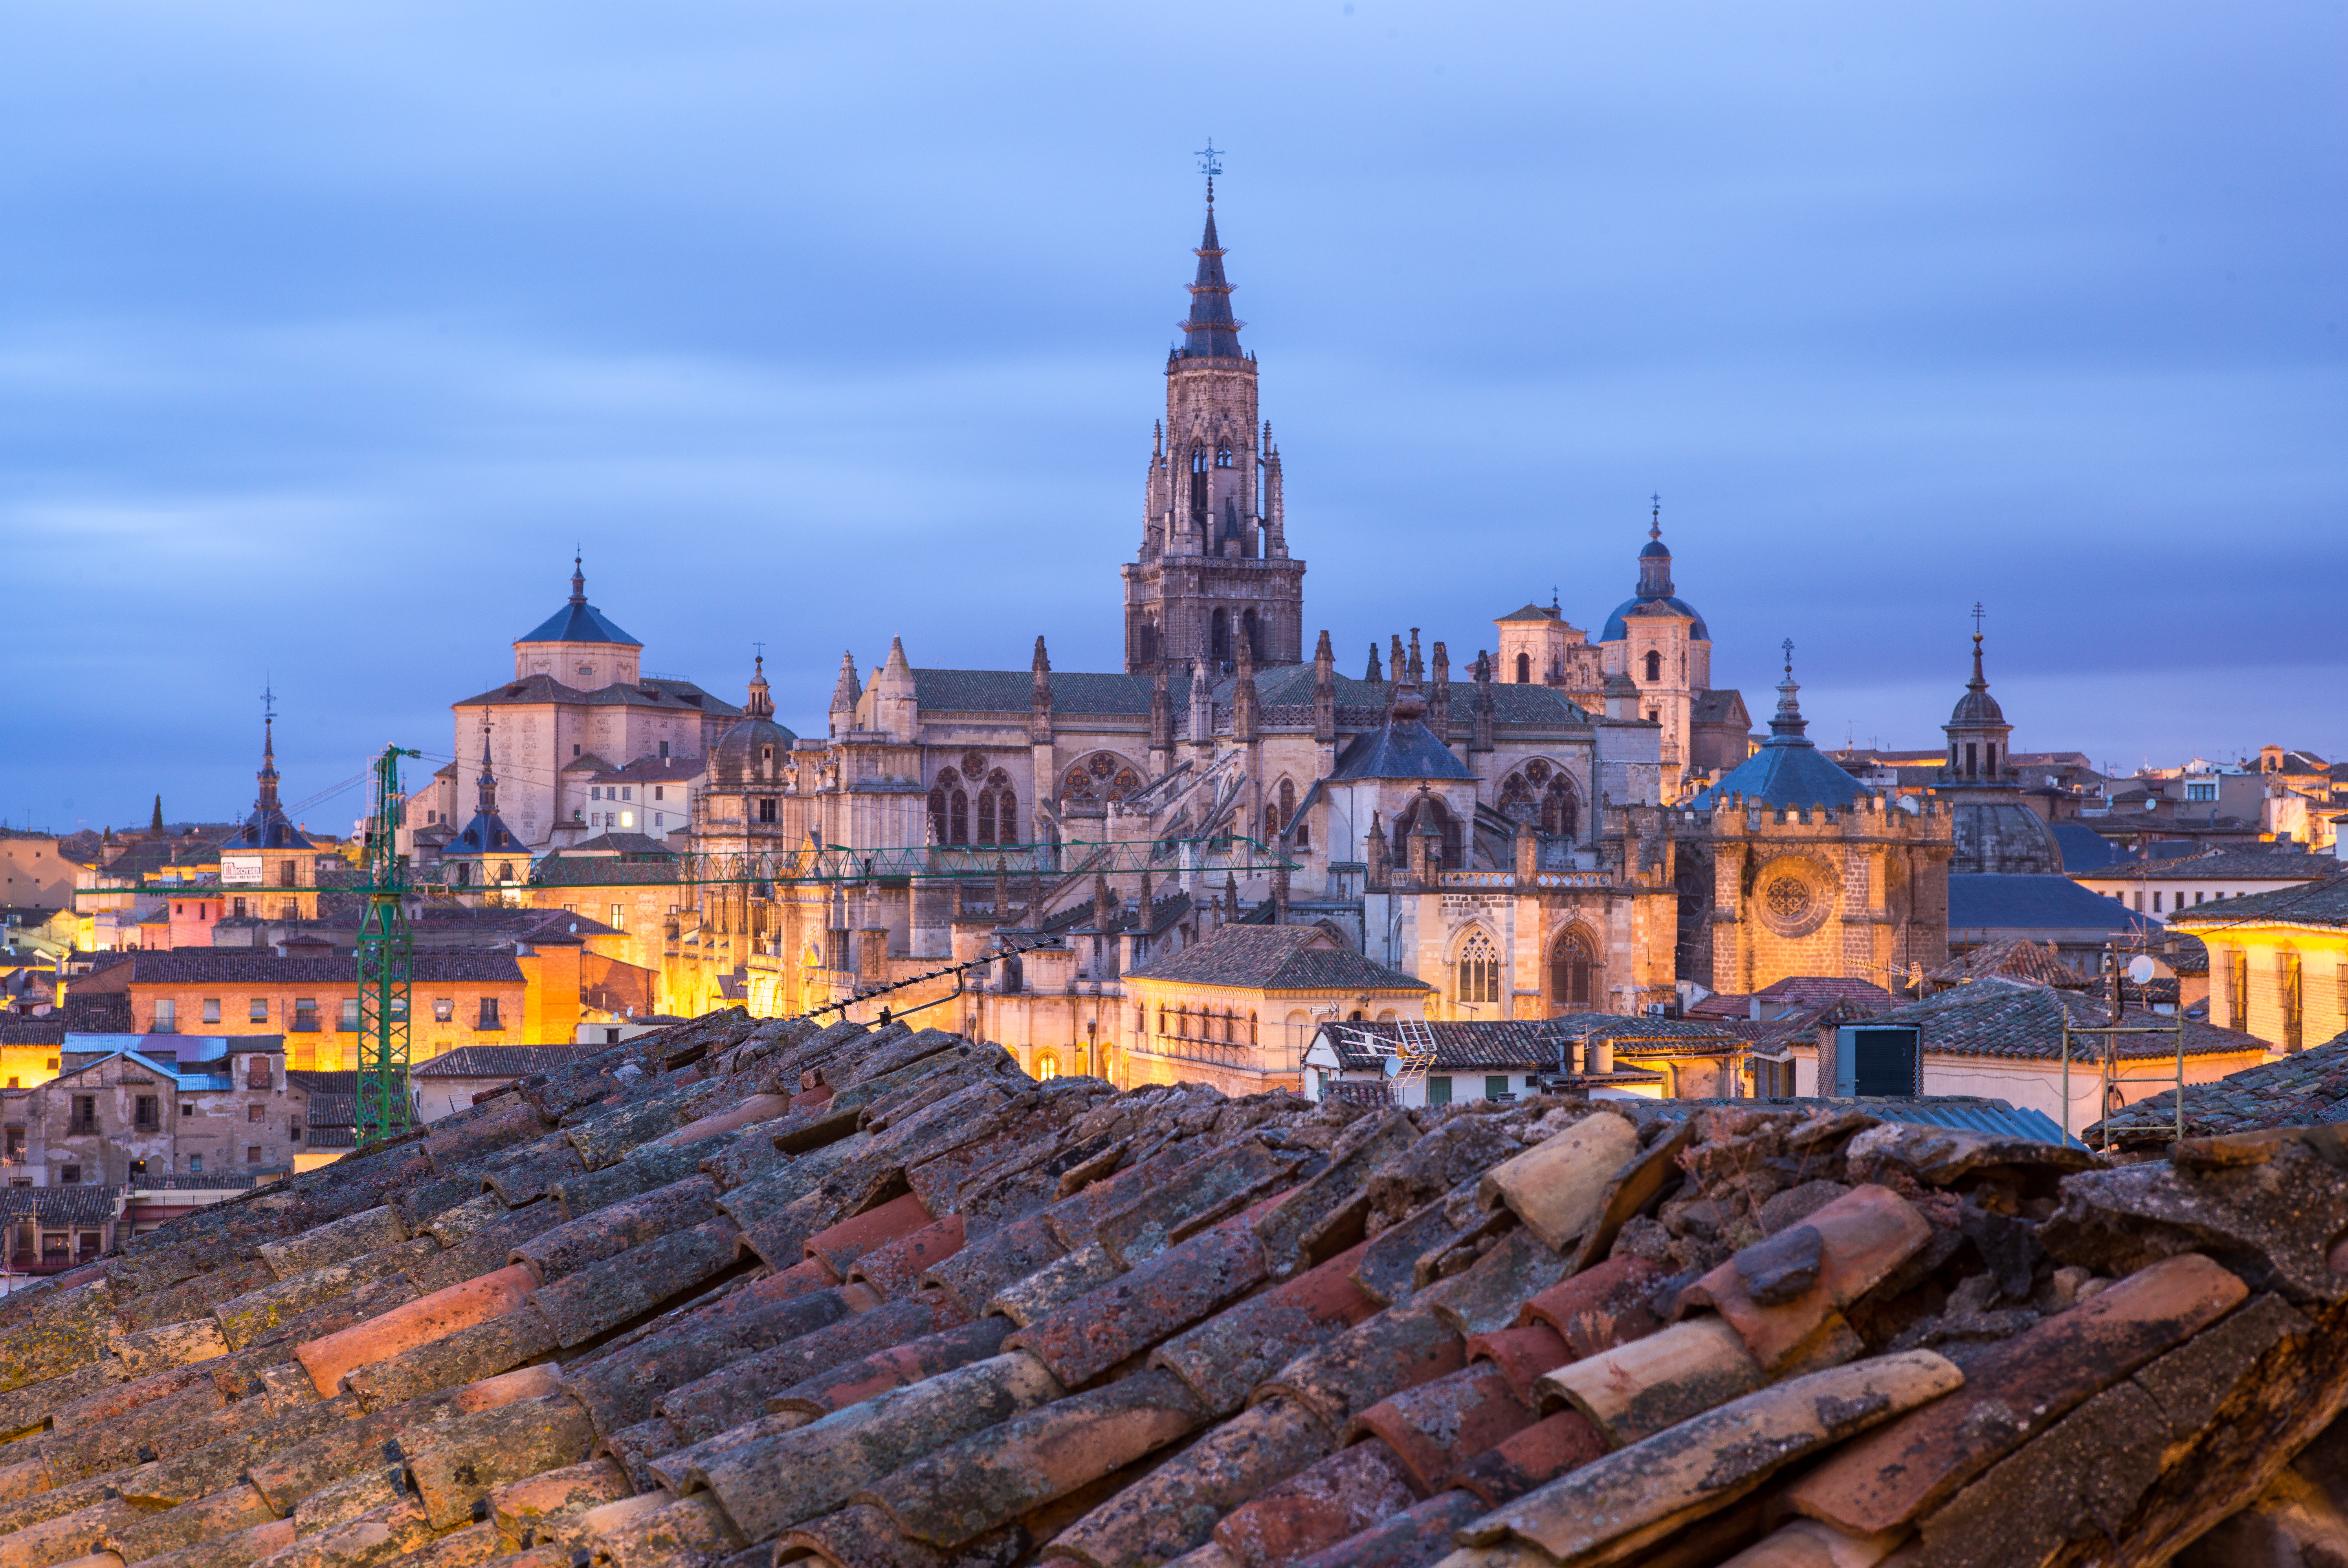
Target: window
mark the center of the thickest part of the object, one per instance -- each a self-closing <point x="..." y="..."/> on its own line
<point x="212" y="1009"/>
<point x="1480" y="969"/>
<point x="239" y="908"/>
<point x="257" y="1075"/>
<point x="350" y="1020"/>
<point x="489" y="1014"/>
<point x="2140" y="903"/>
<point x="257" y="1010"/>
<point x="2202" y="792"/>
<point x="187" y="1108"/>
<point x="2155" y="903"/>
<point x="196" y="1165"/>
<point x="1524" y="669"/>
<point x="305" y="1015"/>
<point x="145" y="1114"/>
<point x="627" y="791"/>
<point x="254" y="1112"/>
<point x="663" y="752"/>
<point x="70" y="1176"/>
<point x="1496" y="1086"/>
<point x="252" y="1153"/>
<point x="167" y="1016"/>
<point x="1571" y="974"/>
<point x="2198" y="897"/>
<point x="595" y="792"/>
<point x="1438" y="1091"/>
<point x="628" y="818"/>
<point x="1223" y="457"/>
<point x="1655" y="666"/>
<point x="619" y="921"/>
<point x="767" y="808"/>
<point x="293" y="1130"/>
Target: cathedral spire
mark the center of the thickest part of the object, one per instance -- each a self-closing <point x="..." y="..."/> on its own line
<point x="1210" y="331"/>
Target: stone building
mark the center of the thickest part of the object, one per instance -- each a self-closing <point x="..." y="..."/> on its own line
<point x="152" y="1108"/>
<point x="1790" y="866"/>
<point x="1996" y="828"/>
<point x="1658" y="640"/>
<point x="311" y="1003"/>
<point x="578" y="691"/>
<point x="2278" y="961"/>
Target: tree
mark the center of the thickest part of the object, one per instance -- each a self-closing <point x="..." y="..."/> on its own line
<point x="157" y="825"/>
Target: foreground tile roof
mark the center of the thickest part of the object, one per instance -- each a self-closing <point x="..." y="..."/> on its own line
<point x="738" y="1292"/>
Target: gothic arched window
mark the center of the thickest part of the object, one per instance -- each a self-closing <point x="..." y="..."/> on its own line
<point x="1524" y="669"/>
<point x="1480" y="969"/>
<point x="957" y="817"/>
<point x="998" y="810"/>
<point x="1655" y="666"/>
<point x="1218" y="637"/>
<point x="1198" y="460"/>
<point x="1571" y="974"/>
<point x="1223" y="457"/>
<point x="942" y="793"/>
<point x="1558" y="814"/>
<point x="1517" y="798"/>
<point x="1253" y="630"/>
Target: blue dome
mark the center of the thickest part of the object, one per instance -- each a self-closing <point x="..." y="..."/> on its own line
<point x="1617" y="628"/>
<point x="1655" y="547"/>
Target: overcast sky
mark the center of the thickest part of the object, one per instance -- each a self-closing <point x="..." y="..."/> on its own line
<point x="327" y="330"/>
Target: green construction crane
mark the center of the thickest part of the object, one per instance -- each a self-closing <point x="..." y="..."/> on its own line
<point x="386" y="958"/>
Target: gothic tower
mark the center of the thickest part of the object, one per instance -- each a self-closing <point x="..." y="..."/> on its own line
<point x="1214" y="566"/>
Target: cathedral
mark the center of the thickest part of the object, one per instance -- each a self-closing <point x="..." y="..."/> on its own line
<point x="1180" y="868"/>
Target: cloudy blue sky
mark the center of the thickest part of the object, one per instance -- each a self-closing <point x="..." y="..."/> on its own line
<point x="326" y="332"/>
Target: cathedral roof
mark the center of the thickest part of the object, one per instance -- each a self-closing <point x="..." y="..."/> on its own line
<point x="578" y="621"/>
<point x="1788" y="770"/>
<point x="1399" y="749"/>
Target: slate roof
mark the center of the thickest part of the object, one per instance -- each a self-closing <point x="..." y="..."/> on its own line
<point x="1642" y="1035"/>
<point x="1399" y="749"/>
<point x="2310" y="1089"/>
<point x="927" y="1310"/>
<point x="439" y="924"/>
<point x="578" y="621"/>
<point x="234" y="966"/>
<point x="1717" y="706"/>
<point x="2084" y="849"/>
<point x="497" y="1062"/>
<point x="1618" y="624"/>
<point x="1275" y="959"/>
<point x="2007" y="1018"/>
<point x="2037" y="901"/>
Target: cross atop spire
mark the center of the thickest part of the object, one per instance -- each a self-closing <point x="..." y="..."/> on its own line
<point x="1210" y="164"/>
<point x="1655" y="518"/>
<point x="1210" y="330"/>
<point x="1789" y="725"/>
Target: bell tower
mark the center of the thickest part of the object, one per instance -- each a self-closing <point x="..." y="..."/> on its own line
<point x="1213" y="568"/>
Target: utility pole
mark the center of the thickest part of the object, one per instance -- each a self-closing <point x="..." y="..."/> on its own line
<point x="386" y="958"/>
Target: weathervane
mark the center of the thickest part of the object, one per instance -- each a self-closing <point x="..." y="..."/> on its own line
<point x="268" y="703"/>
<point x="1210" y="164"/>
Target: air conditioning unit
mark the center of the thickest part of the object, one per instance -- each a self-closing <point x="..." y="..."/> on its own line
<point x="1878" y="1059"/>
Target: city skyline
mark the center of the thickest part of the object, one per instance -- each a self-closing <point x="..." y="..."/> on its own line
<point x="316" y="393"/>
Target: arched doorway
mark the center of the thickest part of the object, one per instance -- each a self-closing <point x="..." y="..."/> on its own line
<point x="1572" y="975"/>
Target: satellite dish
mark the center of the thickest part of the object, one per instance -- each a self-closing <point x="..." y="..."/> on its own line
<point x="2139" y="969"/>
